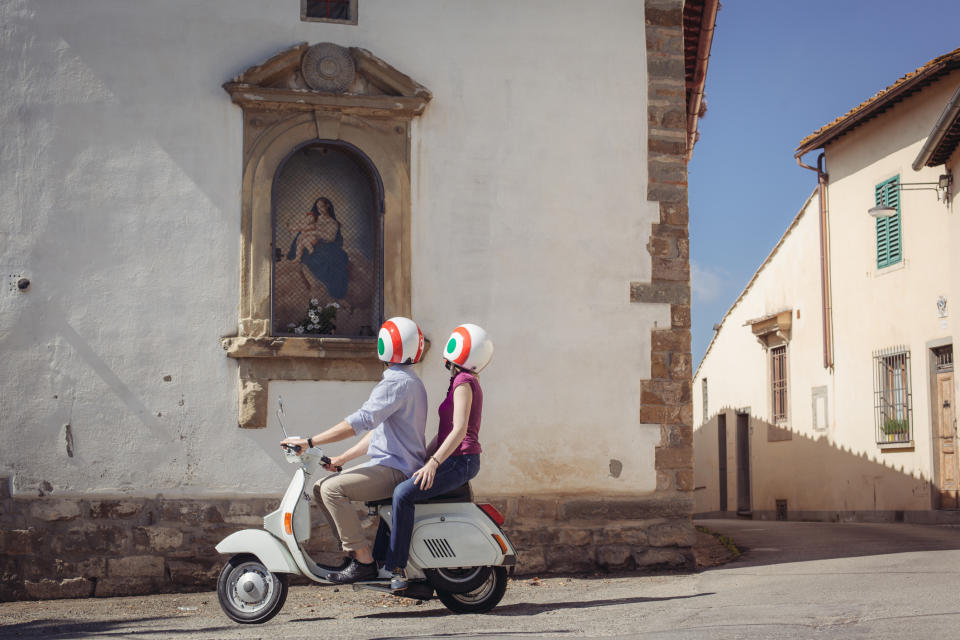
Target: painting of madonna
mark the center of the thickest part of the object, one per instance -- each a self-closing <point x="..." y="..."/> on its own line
<point x="325" y="271"/>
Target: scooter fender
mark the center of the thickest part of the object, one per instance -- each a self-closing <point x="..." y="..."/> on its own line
<point x="272" y="552"/>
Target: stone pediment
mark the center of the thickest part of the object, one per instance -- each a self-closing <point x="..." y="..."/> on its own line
<point x="326" y="76"/>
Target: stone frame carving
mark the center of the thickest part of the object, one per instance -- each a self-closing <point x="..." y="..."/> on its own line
<point x="281" y="112"/>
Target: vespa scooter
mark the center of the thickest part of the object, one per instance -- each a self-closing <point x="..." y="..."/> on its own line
<point x="457" y="550"/>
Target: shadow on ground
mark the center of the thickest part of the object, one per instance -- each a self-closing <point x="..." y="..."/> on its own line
<point x="765" y="542"/>
<point x="529" y="609"/>
<point x="125" y="628"/>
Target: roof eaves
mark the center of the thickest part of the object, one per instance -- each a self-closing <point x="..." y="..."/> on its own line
<point x="880" y="102"/>
<point x="943" y="138"/>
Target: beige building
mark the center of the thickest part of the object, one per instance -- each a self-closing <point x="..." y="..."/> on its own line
<point x="828" y="390"/>
<point x="172" y="173"/>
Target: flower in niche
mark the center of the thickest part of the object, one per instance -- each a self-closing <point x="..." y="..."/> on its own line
<point x="318" y="319"/>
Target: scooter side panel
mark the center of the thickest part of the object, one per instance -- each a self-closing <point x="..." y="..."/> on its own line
<point x="271" y="552"/>
<point x="453" y="542"/>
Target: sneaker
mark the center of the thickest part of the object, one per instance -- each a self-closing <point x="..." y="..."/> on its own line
<point x="398" y="582"/>
<point x="355" y="572"/>
<point x="384" y="574"/>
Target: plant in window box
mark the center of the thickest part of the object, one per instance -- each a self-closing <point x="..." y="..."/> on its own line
<point x="319" y="319"/>
<point x="896" y="430"/>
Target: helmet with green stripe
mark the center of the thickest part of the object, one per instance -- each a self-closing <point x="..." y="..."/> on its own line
<point x="469" y="347"/>
<point x="400" y="341"/>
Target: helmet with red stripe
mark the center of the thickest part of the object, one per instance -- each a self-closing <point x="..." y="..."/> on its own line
<point x="469" y="347"/>
<point x="400" y="341"/>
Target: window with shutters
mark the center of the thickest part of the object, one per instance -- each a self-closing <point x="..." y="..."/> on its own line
<point x="889" y="246"/>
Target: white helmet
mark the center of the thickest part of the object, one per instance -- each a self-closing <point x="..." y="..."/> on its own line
<point x="469" y="347"/>
<point x="400" y="341"/>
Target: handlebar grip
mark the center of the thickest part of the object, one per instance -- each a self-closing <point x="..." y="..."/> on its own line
<point x="326" y="460"/>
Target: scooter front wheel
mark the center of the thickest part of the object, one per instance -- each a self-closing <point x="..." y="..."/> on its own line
<point x="482" y="599"/>
<point x="248" y="592"/>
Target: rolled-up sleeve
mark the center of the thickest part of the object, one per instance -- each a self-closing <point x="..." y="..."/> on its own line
<point x="384" y="400"/>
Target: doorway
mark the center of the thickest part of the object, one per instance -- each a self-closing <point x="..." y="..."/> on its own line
<point x="945" y="430"/>
<point x="743" y="465"/>
<point x="722" y="458"/>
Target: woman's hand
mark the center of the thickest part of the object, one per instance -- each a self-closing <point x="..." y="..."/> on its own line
<point x="335" y="462"/>
<point x="424" y="475"/>
<point x="295" y="442"/>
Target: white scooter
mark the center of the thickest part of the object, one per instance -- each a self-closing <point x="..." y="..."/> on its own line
<point x="457" y="550"/>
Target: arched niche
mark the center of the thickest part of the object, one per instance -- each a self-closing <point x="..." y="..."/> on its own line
<point x="320" y="95"/>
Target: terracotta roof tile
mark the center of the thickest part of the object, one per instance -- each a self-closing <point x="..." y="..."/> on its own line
<point x="880" y="101"/>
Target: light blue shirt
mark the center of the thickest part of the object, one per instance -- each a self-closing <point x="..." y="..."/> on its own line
<point x="396" y="411"/>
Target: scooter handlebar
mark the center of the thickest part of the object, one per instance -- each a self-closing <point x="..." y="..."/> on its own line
<point x="326" y="460"/>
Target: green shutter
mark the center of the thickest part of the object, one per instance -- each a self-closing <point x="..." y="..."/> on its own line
<point x="889" y="245"/>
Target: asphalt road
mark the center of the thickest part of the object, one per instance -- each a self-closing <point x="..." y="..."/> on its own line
<point x="795" y="580"/>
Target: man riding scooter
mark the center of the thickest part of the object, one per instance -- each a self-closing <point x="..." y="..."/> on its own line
<point x="393" y="421"/>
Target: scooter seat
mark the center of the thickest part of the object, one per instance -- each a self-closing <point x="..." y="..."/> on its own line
<point x="462" y="493"/>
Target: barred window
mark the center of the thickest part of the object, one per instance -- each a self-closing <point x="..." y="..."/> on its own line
<point x="778" y="379"/>
<point x="344" y="11"/>
<point x="327" y="243"/>
<point x="893" y="400"/>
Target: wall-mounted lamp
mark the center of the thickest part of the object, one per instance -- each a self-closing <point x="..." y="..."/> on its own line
<point x="942" y="185"/>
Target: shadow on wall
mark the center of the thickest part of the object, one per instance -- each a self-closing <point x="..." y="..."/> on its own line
<point x="745" y="465"/>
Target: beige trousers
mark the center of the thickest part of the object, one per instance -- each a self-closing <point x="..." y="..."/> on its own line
<point x="360" y="484"/>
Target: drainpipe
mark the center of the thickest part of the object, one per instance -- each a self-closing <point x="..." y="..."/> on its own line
<point x="825" y="293"/>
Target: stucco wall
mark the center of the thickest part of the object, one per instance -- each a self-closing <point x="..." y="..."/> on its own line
<point x="121" y="174"/>
<point x="841" y="468"/>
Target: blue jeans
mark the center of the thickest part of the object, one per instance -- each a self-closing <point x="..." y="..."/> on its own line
<point x="394" y="546"/>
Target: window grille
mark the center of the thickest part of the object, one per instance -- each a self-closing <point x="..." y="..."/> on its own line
<point x="944" y="358"/>
<point x="893" y="400"/>
<point x="344" y="11"/>
<point x="889" y="246"/>
<point x="327" y="244"/>
<point x="778" y="362"/>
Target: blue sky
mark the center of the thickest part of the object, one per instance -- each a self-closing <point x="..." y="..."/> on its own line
<point x="779" y="70"/>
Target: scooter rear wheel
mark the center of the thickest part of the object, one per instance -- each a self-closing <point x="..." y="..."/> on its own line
<point x="458" y="580"/>
<point x="480" y="600"/>
<point x="248" y="592"/>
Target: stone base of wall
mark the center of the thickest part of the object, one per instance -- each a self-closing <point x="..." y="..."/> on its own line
<point x="80" y="547"/>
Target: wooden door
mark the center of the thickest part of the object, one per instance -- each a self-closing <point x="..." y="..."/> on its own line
<point x="949" y="480"/>
<point x="743" y="464"/>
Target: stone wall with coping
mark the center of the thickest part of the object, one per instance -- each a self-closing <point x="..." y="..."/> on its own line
<point x="81" y="547"/>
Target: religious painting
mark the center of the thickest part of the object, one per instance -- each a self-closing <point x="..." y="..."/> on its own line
<point x="327" y="246"/>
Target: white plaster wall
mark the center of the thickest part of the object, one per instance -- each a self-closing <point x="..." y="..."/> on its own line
<point x="120" y="174"/>
<point x="896" y="305"/>
<point x="736" y="366"/>
<point x="842" y="468"/>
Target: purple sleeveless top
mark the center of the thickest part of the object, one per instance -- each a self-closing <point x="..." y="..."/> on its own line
<point x="471" y="442"/>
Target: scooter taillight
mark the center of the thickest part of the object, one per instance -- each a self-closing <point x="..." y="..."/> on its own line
<point x="492" y="513"/>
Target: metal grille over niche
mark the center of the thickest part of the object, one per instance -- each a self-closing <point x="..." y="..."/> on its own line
<point x="327" y="244"/>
